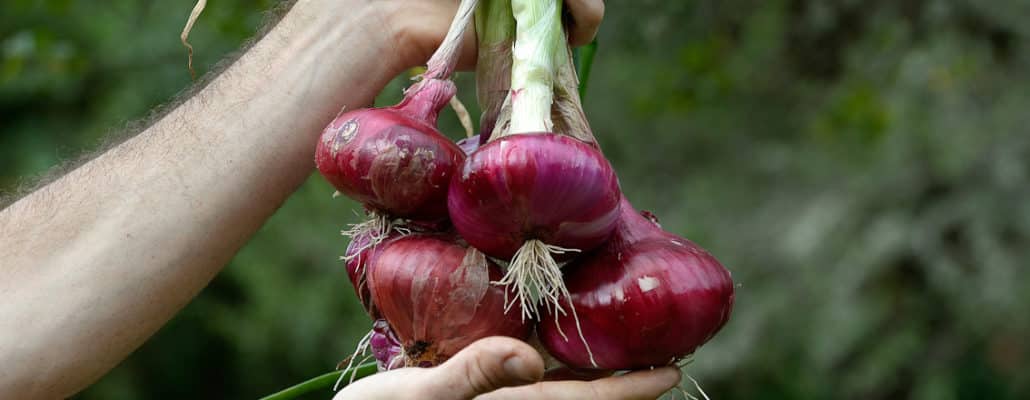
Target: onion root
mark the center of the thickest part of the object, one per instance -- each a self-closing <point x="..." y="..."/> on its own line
<point x="361" y="349"/>
<point x="535" y="277"/>
<point x="378" y="227"/>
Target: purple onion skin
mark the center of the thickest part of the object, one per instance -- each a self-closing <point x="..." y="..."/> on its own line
<point x="357" y="266"/>
<point x="469" y="145"/>
<point x="386" y="348"/>
<point x="393" y="159"/>
<point x="434" y="302"/>
<point x="548" y="187"/>
<point x="645" y="299"/>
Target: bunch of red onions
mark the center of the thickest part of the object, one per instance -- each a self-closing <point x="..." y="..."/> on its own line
<point x="522" y="228"/>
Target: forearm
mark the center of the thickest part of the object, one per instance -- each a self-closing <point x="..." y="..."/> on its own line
<point x="94" y="263"/>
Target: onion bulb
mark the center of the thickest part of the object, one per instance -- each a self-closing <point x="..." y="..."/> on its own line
<point x="647" y="298"/>
<point x="386" y="348"/>
<point x="436" y="295"/>
<point x="393" y="159"/>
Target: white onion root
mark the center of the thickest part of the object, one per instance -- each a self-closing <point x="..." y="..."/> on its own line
<point x="535" y="277"/>
<point x="378" y="227"/>
<point x="361" y="349"/>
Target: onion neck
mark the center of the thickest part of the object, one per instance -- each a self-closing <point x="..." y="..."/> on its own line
<point x="634" y="226"/>
<point x="425" y="99"/>
<point x="495" y="28"/>
<point x="538" y="39"/>
<point x="442" y="64"/>
<point x="567" y="112"/>
<point x="424" y="102"/>
<point x="495" y="24"/>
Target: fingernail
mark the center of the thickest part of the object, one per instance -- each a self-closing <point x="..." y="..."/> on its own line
<point x="517" y="368"/>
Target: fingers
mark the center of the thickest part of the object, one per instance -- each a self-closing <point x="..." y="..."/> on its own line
<point x="638" y="385"/>
<point x="586" y="16"/>
<point x="586" y="19"/>
<point x="566" y="374"/>
<point x="485" y="366"/>
<point x="500" y="368"/>
<point x="399" y="384"/>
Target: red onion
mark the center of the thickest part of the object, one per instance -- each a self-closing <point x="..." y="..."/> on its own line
<point x="533" y="195"/>
<point x="393" y="159"/>
<point x="386" y="348"/>
<point x="534" y="186"/>
<point x="647" y="298"/>
<point x="436" y="296"/>
<point x="357" y="258"/>
<point x="528" y="194"/>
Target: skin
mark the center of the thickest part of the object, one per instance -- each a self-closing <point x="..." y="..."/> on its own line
<point x="94" y="263"/>
<point x="501" y="368"/>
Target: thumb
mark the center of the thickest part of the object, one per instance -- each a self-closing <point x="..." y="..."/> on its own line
<point x="484" y="366"/>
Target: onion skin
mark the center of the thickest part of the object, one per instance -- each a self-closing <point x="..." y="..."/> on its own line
<point x="436" y="295"/>
<point x="542" y="186"/>
<point x="393" y="159"/>
<point x="647" y="298"/>
<point x="386" y="348"/>
<point x="470" y="144"/>
<point x="357" y="258"/>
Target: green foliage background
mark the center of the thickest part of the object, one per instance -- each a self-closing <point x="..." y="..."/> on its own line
<point x="862" y="167"/>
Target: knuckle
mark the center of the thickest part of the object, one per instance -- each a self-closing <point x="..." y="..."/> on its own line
<point x="588" y="13"/>
<point x="481" y="378"/>
<point x="596" y="13"/>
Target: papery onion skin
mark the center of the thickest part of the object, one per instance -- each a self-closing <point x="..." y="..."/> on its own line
<point x="435" y="302"/>
<point x="393" y="159"/>
<point x="645" y="299"/>
<point x="542" y="186"/>
<point x="359" y="253"/>
<point x="386" y="348"/>
<point x="470" y="144"/>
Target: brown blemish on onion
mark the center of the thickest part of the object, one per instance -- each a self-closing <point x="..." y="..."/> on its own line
<point x="421" y="354"/>
<point x="343" y="135"/>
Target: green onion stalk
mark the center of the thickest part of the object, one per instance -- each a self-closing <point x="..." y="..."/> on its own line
<point x="540" y="43"/>
<point x="545" y="88"/>
<point x="495" y="28"/>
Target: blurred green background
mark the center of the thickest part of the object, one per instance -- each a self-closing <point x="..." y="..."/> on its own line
<point x="862" y="167"/>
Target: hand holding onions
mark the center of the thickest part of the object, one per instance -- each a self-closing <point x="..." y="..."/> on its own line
<point x="523" y="230"/>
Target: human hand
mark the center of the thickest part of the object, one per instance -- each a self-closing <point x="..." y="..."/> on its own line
<point x="500" y="368"/>
<point x="416" y="28"/>
<point x="423" y="24"/>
